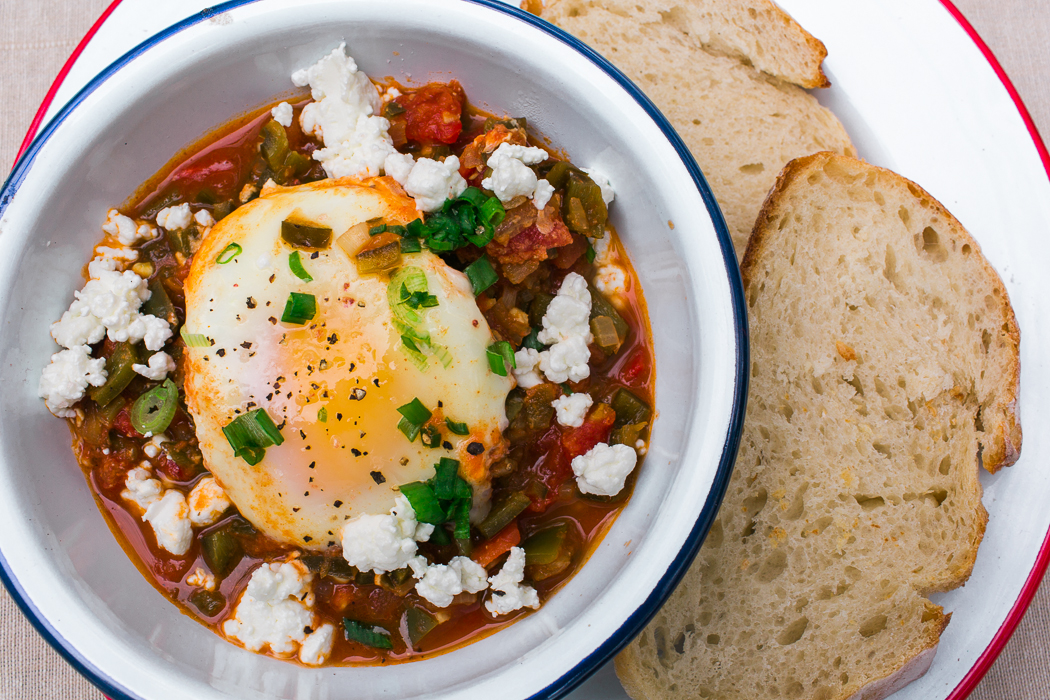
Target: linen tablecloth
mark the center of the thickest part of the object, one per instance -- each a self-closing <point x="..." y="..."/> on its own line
<point x="36" y="37"/>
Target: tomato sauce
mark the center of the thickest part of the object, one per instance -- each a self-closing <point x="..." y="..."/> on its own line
<point x="224" y="170"/>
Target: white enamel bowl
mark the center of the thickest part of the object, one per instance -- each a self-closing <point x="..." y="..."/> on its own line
<point x="58" y="556"/>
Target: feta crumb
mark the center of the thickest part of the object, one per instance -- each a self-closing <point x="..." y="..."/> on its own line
<point x="63" y="382"/>
<point x="566" y="327"/>
<point x="101" y="264"/>
<point x="527" y="360"/>
<point x="170" y="519"/>
<point x="269" y="186"/>
<point x="391" y="93"/>
<point x="160" y="363"/>
<point x="271" y="612"/>
<point x="264" y="262"/>
<point x="508" y="594"/>
<point x="603" y="182"/>
<point x="604" y="469"/>
<point x="511" y="177"/>
<point x="152" y="448"/>
<point x="611" y="280"/>
<point x="125" y="229"/>
<point x="342" y="117"/>
<point x="282" y="114"/>
<point x="78" y="326"/>
<point x="175" y="218"/>
<point x="442" y="582"/>
<point x="429" y="182"/>
<point x="317" y="645"/>
<point x="141" y="488"/>
<point x="201" y="579"/>
<point x="382" y="543"/>
<point x="204" y="218"/>
<point x="572" y="409"/>
<point x="207" y="502"/>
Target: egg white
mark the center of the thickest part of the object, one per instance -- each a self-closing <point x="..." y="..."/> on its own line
<point x="328" y="471"/>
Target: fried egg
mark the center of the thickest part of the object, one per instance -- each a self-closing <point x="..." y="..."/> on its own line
<point x="333" y="385"/>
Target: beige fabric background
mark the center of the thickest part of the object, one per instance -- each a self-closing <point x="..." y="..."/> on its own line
<point x="36" y="37"/>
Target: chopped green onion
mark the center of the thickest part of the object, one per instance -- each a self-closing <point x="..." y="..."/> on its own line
<point x="415" y="411"/>
<point x="481" y="275"/>
<point x="501" y="357"/>
<point x="396" y="228"/>
<point x="439" y="536"/>
<point x="410" y="245"/>
<point x="532" y="340"/>
<point x="424" y="502"/>
<point x="300" y="308"/>
<point x="194" y="340"/>
<point x="418" y="299"/>
<point x="457" y="428"/>
<point x="152" y="412"/>
<point x="567" y="389"/>
<point x="414" y="280"/>
<point x="229" y="253"/>
<point x="461" y="518"/>
<point x="322" y="414"/>
<point x="446" y="474"/>
<point x="492" y="212"/>
<point x="376" y="230"/>
<point x="591" y="254"/>
<point x="295" y="262"/>
<point x="369" y="636"/>
<point x="430" y="436"/>
<point x="250" y="434"/>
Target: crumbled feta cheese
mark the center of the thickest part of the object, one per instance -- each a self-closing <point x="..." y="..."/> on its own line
<point x="317" y="645"/>
<point x="175" y="218"/>
<point x="271" y="612"/>
<point x="508" y="594"/>
<point x="342" y="117"/>
<point x="153" y="447"/>
<point x="603" y="182"/>
<point x="64" y="381"/>
<point x="429" y="182"/>
<point x="170" y="518"/>
<point x="381" y="543"/>
<point x="543" y="193"/>
<point x="604" y="469"/>
<point x="141" y="488"/>
<point x="78" y="326"/>
<point x="511" y="177"/>
<point x="101" y="264"/>
<point x="611" y="280"/>
<point x="125" y="229"/>
<point x="282" y="114"/>
<point x="566" y="327"/>
<point x="269" y="186"/>
<point x="264" y="262"/>
<point x="527" y="360"/>
<point x="204" y="218"/>
<point x="572" y="409"/>
<point x="160" y="363"/>
<point x="207" y="502"/>
<point x="442" y="582"/>
<point x="114" y="299"/>
<point x="201" y="579"/>
<point x="391" y="93"/>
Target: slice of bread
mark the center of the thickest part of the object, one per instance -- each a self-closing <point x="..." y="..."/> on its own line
<point x="727" y="74"/>
<point x="884" y="361"/>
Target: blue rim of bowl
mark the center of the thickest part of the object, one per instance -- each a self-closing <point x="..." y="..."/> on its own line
<point x="667" y="583"/>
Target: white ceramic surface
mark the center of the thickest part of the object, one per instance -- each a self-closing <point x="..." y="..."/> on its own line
<point x="57" y="552"/>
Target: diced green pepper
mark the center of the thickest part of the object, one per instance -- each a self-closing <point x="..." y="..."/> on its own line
<point x="159" y="304"/>
<point x="379" y="259"/>
<point x="119" y="374"/>
<point x="545" y="546"/>
<point x="583" y="209"/>
<point x="305" y="234"/>
<point x="629" y="408"/>
<point x="222" y="551"/>
<point x="538" y="308"/>
<point x="600" y="306"/>
<point x="210" y="603"/>
<point x="418" y="623"/>
<point x="502" y="513"/>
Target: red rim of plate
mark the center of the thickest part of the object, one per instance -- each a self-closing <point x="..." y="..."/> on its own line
<point x="1042" y="560"/>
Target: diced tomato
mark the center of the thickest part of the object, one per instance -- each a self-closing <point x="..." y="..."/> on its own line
<point x="500" y="543"/>
<point x="568" y="255"/>
<point x="123" y="424"/>
<point x="174" y="471"/>
<point x="596" y="428"/>
<point x="531" y="244"/>
<point x="112" y="471"/>
<point x="214" y="170"/>
<point x="434" y="113"/>
<point x="365" y="603"/>
<point x="632" y="368"/>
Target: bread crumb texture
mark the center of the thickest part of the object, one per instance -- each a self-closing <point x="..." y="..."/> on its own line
<point x="884" y="361"/>
<point x="729" y="75"/>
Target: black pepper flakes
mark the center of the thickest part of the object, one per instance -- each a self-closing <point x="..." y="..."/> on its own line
<point x="272" y="278"/>
<point x="376" y="382"/>
<point x="333" y="339"/>
<point x="251" y="303"/>
<point x="447" y="445"/>
<point x="221" y="352"/>
<point x="378" y="477"/>
<point x="338" y="504"/>
<point x="272" y="320"/>
<point x="246" y="345"/>
<point x="294" y="510"/>
<point x="356" y="452"/>
<point x="313" y="255"/>
<point x="475" y="448"/>
<point x="313" y="464"/>
<point x="307" y="538"/>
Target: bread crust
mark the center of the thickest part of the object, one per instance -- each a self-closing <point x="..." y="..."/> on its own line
<point x="1001" y="442"/>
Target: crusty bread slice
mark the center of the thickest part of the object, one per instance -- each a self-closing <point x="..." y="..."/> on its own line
<point x="884" y="359"/>
<point x="726" y="73"/>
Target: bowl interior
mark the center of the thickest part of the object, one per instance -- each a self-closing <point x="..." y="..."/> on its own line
<point x="58" y="555"/>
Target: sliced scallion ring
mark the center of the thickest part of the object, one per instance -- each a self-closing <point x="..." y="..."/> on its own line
<point x="300" y="308"/>
<point x="481" y="275"/>
<point x="152" y="412"/>
<point x="424" y="502"/>
<point x="457" y="428"/>
<point x="194" y="340"/>
<point x="295" y="263"/>
<point x="250" y="434"/>
<point x="501" y="358"/>
<point x="229" y="253"/>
